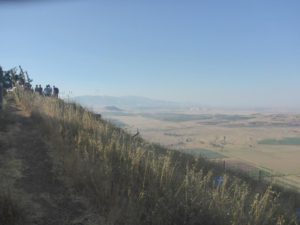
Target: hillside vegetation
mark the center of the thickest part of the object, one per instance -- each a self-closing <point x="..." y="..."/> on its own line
<point x="133" y="182"/>
<point x="11" y="212"/>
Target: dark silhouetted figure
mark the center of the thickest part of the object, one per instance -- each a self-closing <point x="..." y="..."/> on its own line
<point x="40" y="90"/>
<point x="55" y="92"/>
<point x="48" y="91"/>
<point x="36" y="89"/>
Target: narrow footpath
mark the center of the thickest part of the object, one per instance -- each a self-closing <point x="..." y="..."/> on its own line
<point x="28" y="172"/>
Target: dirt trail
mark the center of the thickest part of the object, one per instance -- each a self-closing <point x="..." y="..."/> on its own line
<point x="27" y="170"/>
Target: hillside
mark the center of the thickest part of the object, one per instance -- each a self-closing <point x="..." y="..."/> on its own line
<point x="33" y="188"/>
<point x="66" y="166"/>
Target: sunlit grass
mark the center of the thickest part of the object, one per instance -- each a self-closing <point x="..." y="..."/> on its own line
<point x="11" y="212"/>
<point x="135" y="182"/>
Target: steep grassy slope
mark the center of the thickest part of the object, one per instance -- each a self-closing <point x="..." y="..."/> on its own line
<point x="11" y="212"/>
<point x="135" y="182"/>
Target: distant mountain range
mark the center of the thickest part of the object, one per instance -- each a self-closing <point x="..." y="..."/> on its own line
<point x="111" y="103"/>
<point x="126" y="102"/>
<point x="113" y="108"/>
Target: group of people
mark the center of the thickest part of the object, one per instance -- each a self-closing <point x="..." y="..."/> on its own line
<point x="47" y="91"/>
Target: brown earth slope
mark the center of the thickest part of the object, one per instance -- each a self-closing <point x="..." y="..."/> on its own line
<point x="31" y="176"/>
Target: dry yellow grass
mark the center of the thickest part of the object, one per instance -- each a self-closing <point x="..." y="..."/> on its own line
<point x="241" y="140"/>
<point x="135" y="182"/>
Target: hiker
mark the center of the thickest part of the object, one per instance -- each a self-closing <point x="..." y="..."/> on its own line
<point x="40" y="90"/>
<point x="55" y="92"/>
<point x="48" y="91"/>
<point x="27" y="87"/>
<point x="36" y="90"/>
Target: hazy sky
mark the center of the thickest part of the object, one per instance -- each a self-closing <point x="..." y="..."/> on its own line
<point x="214" y="52"/>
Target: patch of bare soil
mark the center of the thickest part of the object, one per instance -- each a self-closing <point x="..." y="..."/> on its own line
<point x="27" y="171"/>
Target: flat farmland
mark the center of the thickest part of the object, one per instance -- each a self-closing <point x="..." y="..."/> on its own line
<point x="268" y="142"/>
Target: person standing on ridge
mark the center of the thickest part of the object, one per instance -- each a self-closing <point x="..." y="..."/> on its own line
<point x="36" y="90"/>
<point x="48" y="91"/>
<point x="55" y="92"/>
<point x="40" y="90"/>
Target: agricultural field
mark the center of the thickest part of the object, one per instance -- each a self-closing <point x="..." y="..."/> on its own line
<point x="249" y="142"/>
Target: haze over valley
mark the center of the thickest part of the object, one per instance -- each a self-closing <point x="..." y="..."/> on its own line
<point x="254" y="139"/>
